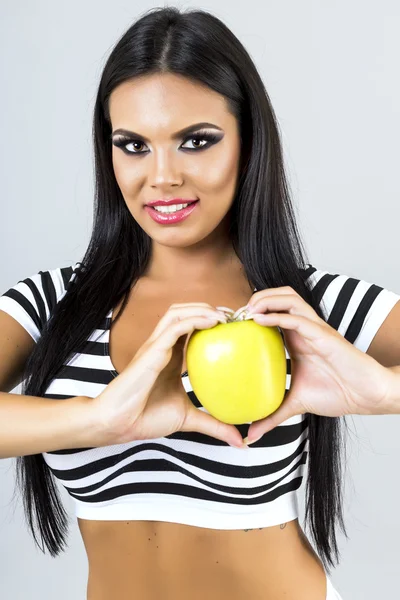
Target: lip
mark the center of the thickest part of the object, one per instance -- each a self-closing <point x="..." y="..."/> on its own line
<point x="169" y="202"/>
<point x="176" y="217"/>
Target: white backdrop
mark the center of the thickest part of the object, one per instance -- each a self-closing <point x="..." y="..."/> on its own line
<point x="331" y="70"/>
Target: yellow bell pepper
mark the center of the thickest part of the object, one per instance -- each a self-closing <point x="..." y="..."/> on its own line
<point x="237" y="369"/>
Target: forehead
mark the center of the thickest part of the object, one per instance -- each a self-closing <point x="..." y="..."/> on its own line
<point x="161" y="101"/>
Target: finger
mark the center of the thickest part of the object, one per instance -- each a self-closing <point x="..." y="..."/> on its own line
<point x="183" y="304"/>
<point x="311" y="330"/>
<point x="202" y="422"/>
<point x="177" y="314"/>
<point x="280" y="291"/>
<point x="284" y="412"/>
<point x="158" y="350"/>
<point x="289" y="302"/>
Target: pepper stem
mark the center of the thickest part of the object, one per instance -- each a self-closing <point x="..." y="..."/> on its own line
<point x="232" y="316"/>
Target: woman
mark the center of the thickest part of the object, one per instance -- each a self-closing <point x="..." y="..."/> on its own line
<point x="166" y="505"/>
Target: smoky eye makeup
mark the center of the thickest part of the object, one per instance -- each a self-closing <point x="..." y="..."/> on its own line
<point x="210" y="137"/>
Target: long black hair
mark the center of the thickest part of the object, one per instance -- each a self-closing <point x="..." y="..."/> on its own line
<point x="263" y="230"/>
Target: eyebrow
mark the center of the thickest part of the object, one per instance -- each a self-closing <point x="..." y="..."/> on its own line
<point x="174" y="136"/>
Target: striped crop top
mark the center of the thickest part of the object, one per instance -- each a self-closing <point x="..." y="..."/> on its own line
<point x="187" y="477"/>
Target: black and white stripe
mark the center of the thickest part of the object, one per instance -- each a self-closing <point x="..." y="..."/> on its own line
<point x="188" y="478"/>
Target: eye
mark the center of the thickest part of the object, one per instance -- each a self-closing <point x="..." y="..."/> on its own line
<point x="123" y="143"/>
<point x="209" y="138"/>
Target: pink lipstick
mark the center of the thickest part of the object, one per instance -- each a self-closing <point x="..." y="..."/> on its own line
<point x="171" y="218"/>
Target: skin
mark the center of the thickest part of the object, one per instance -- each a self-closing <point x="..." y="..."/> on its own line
<point x="156" y="107"/>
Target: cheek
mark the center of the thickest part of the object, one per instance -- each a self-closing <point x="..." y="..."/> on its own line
<point x="221" y="183"/>
<point x="219" y="176"/>
<point x="127" y="183"/>
<point x="123" y="175"/>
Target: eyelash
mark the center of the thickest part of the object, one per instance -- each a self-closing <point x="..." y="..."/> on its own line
<point x="121" y="142"/>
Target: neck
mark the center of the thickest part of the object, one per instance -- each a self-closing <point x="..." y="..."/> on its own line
<point x="195" y="264"/>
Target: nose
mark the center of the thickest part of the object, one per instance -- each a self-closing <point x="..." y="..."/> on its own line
<point x="164" y="169"/>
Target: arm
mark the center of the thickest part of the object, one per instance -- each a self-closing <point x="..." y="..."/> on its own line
<point x="31" y="425"/>
<point x="392" y="402"/>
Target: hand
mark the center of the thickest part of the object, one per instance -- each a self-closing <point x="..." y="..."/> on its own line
<point x="147" y="399"/>
<point x="330" y="376"/>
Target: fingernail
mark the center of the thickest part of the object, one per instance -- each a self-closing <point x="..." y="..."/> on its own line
<point x="246" y="440"/>
<point x="242" y="446"/>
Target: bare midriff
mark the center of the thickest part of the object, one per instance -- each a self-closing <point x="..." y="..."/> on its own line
<point x="152" y="560"/>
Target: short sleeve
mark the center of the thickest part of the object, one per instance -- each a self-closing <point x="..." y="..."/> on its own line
<point x="355" y="308"/>
<point x="31" y="300"/>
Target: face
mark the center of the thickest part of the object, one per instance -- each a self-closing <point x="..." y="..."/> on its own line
<point x="157" y="163"/>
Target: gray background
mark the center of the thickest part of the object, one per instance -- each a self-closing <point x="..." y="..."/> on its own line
<point x="331" y="69"/>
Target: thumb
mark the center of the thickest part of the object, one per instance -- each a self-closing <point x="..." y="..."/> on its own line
<point x="202" y="422"/>
<point x="282" y="413"/>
